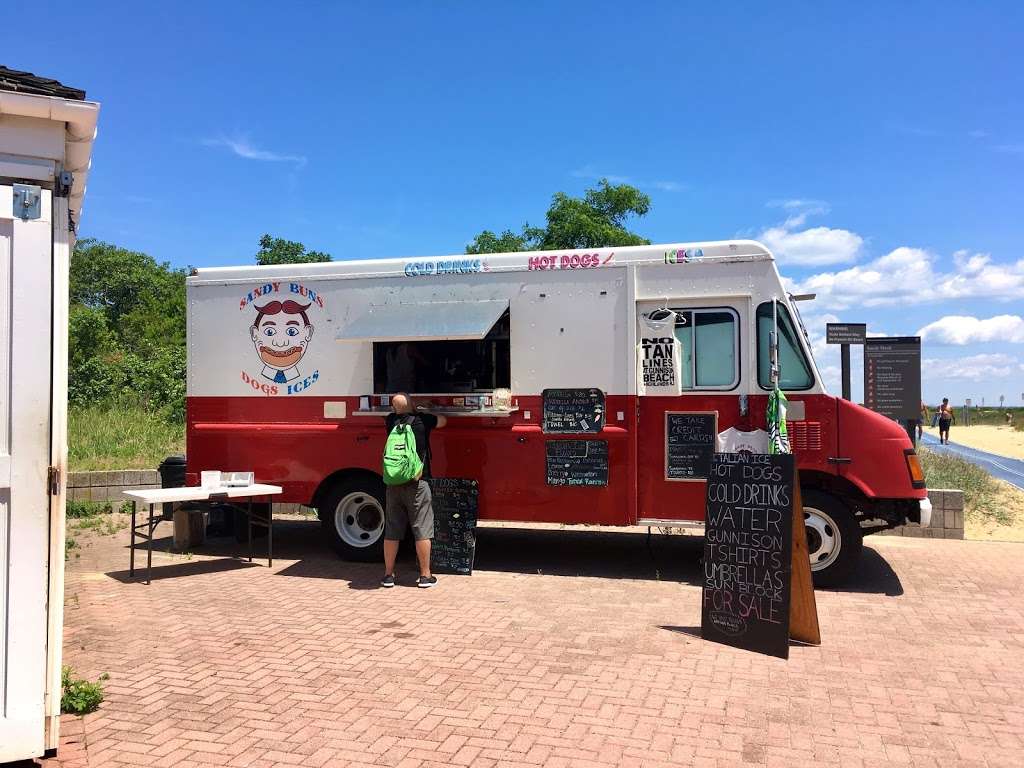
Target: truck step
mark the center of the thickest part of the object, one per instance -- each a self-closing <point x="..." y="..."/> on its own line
<point x="657" y="523"/>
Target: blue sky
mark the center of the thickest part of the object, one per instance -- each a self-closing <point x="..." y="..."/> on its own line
<point x="878" y="151"/>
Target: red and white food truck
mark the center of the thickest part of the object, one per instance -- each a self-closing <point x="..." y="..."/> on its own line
<point x="631" y="363"/>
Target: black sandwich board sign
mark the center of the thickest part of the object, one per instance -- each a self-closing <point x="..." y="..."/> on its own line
<point x="845" y="333"/>
<point x="572" y="411"/>
<point x="748" y="551"/>
<point x="892" y="376"/>
<point x="455" y="503"/>
<point x="689" y="444"/>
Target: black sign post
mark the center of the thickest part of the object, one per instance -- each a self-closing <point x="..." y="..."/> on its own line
<point x="845" y="334"/>
<point x="892" y="376"/>
<point x="455" y="502"/>
<point x="748" y="551"/>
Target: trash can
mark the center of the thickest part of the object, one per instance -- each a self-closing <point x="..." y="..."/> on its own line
<point x="172" y="475"/>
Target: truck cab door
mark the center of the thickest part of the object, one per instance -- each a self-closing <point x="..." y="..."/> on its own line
<point x="710" y="333"/>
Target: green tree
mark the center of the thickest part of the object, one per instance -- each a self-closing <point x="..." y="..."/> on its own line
<point x="88" y="334"/>
<point x="276" y="250"/>
<point x="597" y="220"/>
<point x="126" y="329"/>
<point x="118" y="280"/>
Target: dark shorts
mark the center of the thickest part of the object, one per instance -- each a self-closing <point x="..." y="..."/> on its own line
<point x="409" y="504"/>
<point x="944" y="425"/>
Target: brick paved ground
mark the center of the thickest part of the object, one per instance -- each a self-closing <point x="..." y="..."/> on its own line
<point x="563" y="649"/>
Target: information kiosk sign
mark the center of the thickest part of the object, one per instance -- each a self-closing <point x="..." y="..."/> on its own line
<point x="845" y="333"/>
<point x="892" y="376"/>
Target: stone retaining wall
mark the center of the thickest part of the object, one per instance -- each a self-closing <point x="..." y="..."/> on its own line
<point x="947" y="517"/>
<point x="108" y="486"/>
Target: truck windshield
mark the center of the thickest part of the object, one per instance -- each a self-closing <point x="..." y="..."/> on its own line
<point x="795" y="369"/>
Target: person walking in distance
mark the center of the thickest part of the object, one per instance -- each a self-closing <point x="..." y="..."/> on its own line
<point x="406" y="471"/>
<point x="946" y="417"/>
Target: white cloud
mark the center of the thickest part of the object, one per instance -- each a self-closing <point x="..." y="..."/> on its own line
<point x="662" y="185"/>
<point x="240" y="146"/>
<point x="960" y="330"/>
<point x="913" y="276"/>
<point x="814" y="247"/>
<point x="798" y="203"/>
<point x="971" y="368"/>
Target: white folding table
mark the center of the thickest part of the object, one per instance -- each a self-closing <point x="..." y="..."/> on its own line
<point x="152" y="497"/>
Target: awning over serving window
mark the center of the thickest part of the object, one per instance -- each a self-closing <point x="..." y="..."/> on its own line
<point x="423" y="321"/>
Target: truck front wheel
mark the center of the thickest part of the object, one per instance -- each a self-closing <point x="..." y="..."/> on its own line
<point x="834" y="538"/>
<point x="352" y="515"/>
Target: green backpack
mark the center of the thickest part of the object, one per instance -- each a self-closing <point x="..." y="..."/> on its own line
<point x="401" y="462"/>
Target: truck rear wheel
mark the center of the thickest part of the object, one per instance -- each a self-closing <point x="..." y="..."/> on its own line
<point x="834" y="538"/>
<point x="352" y="515"/>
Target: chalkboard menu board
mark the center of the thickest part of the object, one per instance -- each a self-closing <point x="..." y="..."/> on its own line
<point x="748" y="549"/>
<point x="455" y="513"/>
<point x="569" y="411"/>
<point x="577" y="462"/>
<point x="689" y="444"/>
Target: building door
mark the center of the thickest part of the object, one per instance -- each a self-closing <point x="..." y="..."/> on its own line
<point x="25" y="392"/>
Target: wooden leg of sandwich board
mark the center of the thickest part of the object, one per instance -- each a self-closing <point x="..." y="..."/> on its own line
<point x="803" y="610"/>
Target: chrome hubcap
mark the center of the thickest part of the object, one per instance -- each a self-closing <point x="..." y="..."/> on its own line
<point x="824" y="541"/>
<point x="359" y="519"/>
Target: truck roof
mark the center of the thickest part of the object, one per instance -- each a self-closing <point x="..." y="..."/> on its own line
<point x="712" y="251"/>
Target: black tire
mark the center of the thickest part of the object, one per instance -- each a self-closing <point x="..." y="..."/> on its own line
<point x="352" y="515"/>
<point x="834" y="538"/>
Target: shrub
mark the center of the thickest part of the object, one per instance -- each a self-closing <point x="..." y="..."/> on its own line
<point x="83" y="509"/>
<point x="79" y="696"/>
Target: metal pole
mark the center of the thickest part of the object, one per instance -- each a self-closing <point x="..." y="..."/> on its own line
<point x="131" y="557"/>
<point x="248" y="517"/>
<point x="149" y="547"/>
<point x="844" y="351"/>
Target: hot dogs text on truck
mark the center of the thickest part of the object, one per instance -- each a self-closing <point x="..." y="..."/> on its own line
<point x="290" y="368"/>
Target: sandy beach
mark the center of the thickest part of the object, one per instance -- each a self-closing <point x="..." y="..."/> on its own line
<point x="1002" y="440"/>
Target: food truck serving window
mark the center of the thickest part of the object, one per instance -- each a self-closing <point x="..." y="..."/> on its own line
<point x="444" y="366"/>
<point x="436" y="347"/>
<point x="709" y="347"/>
<point x="794" y="368"/>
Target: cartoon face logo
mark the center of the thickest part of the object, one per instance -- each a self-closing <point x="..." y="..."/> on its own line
<point x="281" y="333"/>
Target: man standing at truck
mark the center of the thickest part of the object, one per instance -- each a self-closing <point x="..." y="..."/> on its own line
<point x="410" y="504"/>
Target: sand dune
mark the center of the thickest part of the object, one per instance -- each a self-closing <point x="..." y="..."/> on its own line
<point x="1002" y="440"/>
